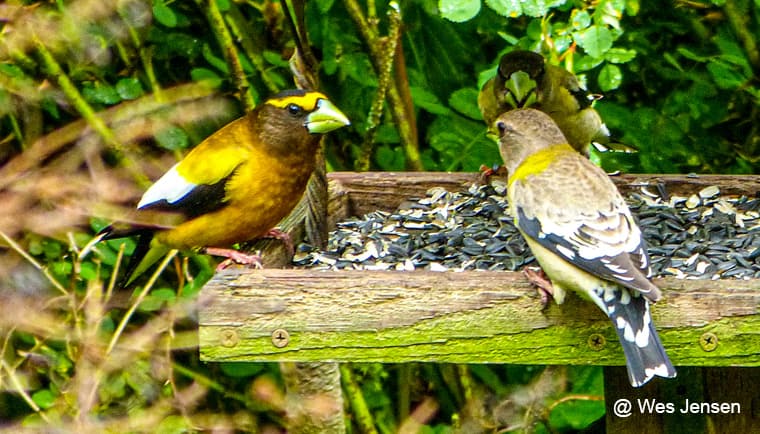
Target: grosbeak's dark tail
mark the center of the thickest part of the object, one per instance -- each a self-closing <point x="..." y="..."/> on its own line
<point x="644" y="354"/>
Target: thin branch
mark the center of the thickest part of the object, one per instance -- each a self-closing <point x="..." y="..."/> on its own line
<point x="748" y="37"/>
<point x="386" y="62"/>
<point x="148" y="286"/>
<point x="402" y="114"/>
<point x="359" y="407"/>
<point x="230" y="53"/>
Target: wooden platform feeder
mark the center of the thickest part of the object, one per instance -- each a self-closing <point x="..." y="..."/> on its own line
<point x="711" y="329"/>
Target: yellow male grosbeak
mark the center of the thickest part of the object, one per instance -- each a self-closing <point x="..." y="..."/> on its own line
<point x="238" y="183"/>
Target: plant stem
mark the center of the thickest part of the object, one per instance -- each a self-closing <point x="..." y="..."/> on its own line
<point x="231" y="54"/>
<point x="402" y="114"/>
<point x="362" y="415"/>
<point x="87" y="112"/>
<point x="738" y="20"/>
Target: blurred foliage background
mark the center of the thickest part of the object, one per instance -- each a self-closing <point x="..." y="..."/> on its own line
<point x="97" y="98"/>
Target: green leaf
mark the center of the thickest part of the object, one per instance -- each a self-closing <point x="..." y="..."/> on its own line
<point x="223" y="5"/>
<point x="459" y="11"/>
<point x="507" y="8"/>
<point x="465" y="101"/>
<point x="516" y="8"/>
<point x="619" y="55"/>
<point x="88" y="271"/>
<point x="539" y="8"/>
<point x="427" y="100"/>
<point x="164" y="14"/>
<point x="687" y="53"/>
<point x="101" y="93"/>
<point x="725" y="76"/>
<point x="156" y="299"/>
<point x="390" y="158"/>
<point x="172" y="138"/>
<point x="580" y="19"/>
<point x="241" y="369"/>
<point x="575" y="415"/>
<point x="595" y="40"/>
<point x="275" y="58"/>
<point x="214" y="60"/>
<point x="44" y="398"/>
<point x="207" y="75"/>
<point x="610" y="77"/>
<point x="49" y="105"/>
<point x="129" y="88"/>
<point x="324" y="5"/>
<point x="173" y="424"/>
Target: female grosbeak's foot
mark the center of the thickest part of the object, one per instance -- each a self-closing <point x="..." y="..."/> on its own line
<point x="487" y="172"/>
<point x="233" y="256"/>
<point x="278" y="234"/>
<point x="541" y="281"/>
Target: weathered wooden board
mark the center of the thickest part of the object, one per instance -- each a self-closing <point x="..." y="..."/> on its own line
<point x="466" y="317"/>
<point x="355" y="194"/>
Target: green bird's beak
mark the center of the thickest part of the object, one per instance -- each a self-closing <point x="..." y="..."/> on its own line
<point x="326" y="118"/>
<point x="521" y="90"/>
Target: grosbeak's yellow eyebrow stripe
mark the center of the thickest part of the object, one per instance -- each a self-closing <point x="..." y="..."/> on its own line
<point x="539" y="161"/>
<point x="307" y="101"/>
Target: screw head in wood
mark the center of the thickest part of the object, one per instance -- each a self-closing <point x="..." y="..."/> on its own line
<point x="596" y="342"/>
<point x="280" y="338"/>
<point x="708" y="341"/>
<point x="229" y="338"/>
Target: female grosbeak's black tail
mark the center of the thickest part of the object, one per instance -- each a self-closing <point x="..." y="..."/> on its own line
<point x="644" y="354"/>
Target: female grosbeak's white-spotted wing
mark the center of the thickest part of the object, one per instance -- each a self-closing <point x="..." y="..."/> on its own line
<point x="574" y="210"/>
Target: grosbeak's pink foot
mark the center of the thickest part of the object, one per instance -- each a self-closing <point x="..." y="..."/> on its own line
<point x="278" y="234"/>
<point x="233" y="256"/>
<point x="543" y="285"/>
<point x="487" y="172"/>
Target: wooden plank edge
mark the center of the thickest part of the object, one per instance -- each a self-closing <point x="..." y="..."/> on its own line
<point x="357" y="193"/>
<point x="471" y="317"/>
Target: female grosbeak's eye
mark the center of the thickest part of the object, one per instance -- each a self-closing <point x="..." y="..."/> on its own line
<point x="294" y="109"/>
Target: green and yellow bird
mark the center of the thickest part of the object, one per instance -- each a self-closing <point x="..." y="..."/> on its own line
<point x="524" y="79"/>
<point x="238" y="183"/>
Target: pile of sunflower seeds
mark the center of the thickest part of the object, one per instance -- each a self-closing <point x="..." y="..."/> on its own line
<point x="704" y="236"/>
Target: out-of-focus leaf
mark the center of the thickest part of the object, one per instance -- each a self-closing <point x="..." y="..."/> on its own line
<point x="595" y="40"/>
<point x="164" y="14"/>
<point x="129" y="88"/>
<point x="390" y="158"/>
<point x="172" y="138"/>
<point x="324" y="5"/>
<point x="459" y="10"/>
<point x="241" y="369"/>
<point x="580" y="19"/>
<point x="619" y="55"/>
<point x="725" y="75"/>
<point x="507" y="8"/>
<point x="610" y="77"/>
<point x="216" y="61"/>
<point x="428" y="101"/>
<point x="576" y="414"/>
<point x="207" y="75"/>
<point x="44" y="398"/>
<point x="465" y="101"/>
<point x="516" y="8"/>
<point x="101" y="93"/>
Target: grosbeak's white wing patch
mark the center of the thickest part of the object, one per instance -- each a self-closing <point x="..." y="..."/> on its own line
<point x="171" y="187"/>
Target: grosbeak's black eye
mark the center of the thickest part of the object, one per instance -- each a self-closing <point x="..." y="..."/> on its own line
<point x="294" y="109"/>
<point x="502" y="127"/>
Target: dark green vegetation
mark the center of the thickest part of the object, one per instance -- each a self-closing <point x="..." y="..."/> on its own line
<point x="97" y="98"/>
